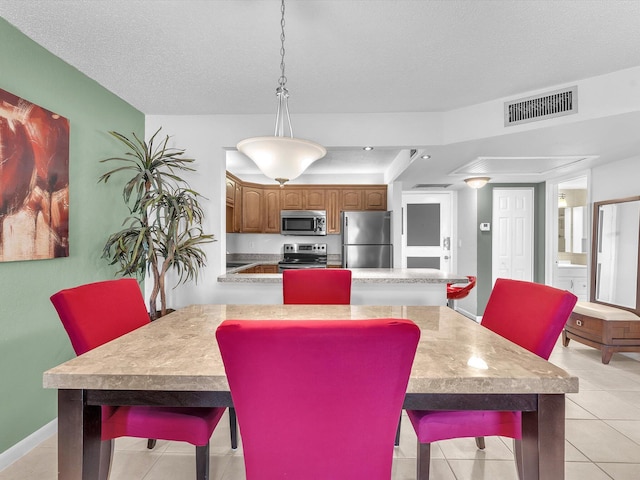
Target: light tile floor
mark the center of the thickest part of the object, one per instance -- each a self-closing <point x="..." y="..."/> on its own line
<point x="602" y="438"/>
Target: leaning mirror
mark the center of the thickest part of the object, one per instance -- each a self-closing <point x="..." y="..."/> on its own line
<point x="615" y="253"/>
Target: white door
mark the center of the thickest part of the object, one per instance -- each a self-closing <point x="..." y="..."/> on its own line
<point x="512" y="238"/>
<point x="427" y="231"/>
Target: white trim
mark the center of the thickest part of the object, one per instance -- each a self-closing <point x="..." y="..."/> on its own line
<point x="27" y="444"/>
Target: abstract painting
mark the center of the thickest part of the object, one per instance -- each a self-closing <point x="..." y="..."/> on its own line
<point x="34" y="181"/>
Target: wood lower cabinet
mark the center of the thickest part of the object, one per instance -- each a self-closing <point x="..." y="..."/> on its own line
<point x="267" y="268"/>
<point x="255" y="208"/>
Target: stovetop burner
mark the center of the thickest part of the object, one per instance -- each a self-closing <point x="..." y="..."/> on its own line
<point x="304" y="255"/>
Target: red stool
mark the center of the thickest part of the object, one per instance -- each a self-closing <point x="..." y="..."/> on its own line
<point x="456" y="293"/>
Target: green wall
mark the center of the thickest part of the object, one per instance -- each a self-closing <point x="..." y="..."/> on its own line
<point x="485" y="213"/>
<point x="31" y="337"/>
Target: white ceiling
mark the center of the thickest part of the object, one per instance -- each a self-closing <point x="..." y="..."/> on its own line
<point x="351" y="56"/>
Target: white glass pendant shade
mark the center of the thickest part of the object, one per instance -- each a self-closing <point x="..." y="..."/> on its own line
<point x="281" y="158"/>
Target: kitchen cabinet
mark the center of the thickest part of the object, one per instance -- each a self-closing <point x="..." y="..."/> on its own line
<point x="314" y="199"/>
<point x="351" y="199"/>
<point x="266" y="268"/>
<point x="233" y="204"/>
<point x="375" y="199"/>
<point x="333" y="210"/>
<point x="272" y="210"/>
<point x="292" y="198"/>
<point x="252" y="210"/>
<point x="303" y="198"/>
<point x="231" y="191"/>
<point x="255" y="208"/>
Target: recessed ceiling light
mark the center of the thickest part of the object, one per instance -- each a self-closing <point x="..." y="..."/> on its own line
<point x="425" y="157"/>
<point x="367" y="149"/>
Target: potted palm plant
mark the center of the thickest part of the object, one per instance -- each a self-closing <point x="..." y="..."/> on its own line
<point x="164" y="229"/>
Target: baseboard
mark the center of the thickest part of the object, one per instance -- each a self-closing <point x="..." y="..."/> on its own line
<point x="468" y="314"/>
<point x="27" y="444"/>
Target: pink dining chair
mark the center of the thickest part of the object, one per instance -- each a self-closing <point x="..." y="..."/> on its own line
<point x="97" y="313"/>
<point x="317" y="286"/>
<point x="339" y="385"/>
<point x="529" y="314"/>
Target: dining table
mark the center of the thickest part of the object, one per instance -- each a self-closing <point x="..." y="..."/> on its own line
<point x="175" y="361"/>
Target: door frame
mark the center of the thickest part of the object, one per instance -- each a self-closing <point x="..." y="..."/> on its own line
<point x="551" y="225"/>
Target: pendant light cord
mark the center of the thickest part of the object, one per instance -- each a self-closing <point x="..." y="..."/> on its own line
<point x="281" y="92"/>
<point x="283" y="79"/>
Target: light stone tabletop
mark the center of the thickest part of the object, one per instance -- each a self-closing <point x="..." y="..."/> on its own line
<point x="179" y="352"/>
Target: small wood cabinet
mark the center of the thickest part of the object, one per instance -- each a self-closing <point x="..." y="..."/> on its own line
<point x="266" y="268"/>
<point x="255" y="208"/>
<point x="252" y="215"/>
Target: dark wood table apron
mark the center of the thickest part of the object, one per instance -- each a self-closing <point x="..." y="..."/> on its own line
<point x="79" y="423"/>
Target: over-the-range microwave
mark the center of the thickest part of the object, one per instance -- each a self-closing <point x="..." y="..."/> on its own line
<point x="303" y="222"/>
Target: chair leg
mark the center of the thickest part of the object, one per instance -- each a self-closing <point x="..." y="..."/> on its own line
<point x="233" y="427"/>
<point x="424" y="458"/>
<point x="202" y="462"/>
<point x="151" y="443"/>
<point x="517" y="451"/>
<point x="480" y="443"/>
<point x="397" y="441"/>
<point x="106" y="458"/>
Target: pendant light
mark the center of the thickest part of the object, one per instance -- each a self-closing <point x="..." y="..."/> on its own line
<point x="280" y="157"/>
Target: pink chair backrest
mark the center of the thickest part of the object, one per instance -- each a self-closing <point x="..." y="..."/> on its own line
<point x="333" y="388"/>
<point x="317" y="286"/>
<point x="529" y="314"/>
<point x="97" y="313"/>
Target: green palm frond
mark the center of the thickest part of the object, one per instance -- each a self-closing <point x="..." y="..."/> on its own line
<point x="164" y="230"/>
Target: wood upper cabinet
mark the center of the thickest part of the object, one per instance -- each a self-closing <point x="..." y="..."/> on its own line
<point x="314" y="199"/>
<point x="272" y="209"/>
<point x="333" y="210"/>
<point x="231" y="191"/>
<point x="252" y="210"/>
<point x="292" y="198"/>
<point x="255" y="208"/>
<point x="375" y="199"/>
<point x="351" y="199"/>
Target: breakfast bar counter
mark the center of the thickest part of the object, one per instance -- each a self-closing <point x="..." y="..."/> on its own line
<point x="370" y="286"/>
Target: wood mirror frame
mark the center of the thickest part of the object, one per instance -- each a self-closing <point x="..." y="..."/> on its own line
<point x="596" y="243"/>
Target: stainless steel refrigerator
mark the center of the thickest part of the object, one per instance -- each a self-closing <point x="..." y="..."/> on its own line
<point x="366" y="240"/>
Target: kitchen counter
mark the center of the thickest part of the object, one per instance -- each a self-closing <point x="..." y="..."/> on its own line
<point x="370" y="286"/>
<point x="359" y="275"/>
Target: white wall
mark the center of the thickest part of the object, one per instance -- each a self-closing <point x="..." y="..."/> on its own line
<point x="616" y="180"/>
<point x="205" y="138"/>
<point x="467" y="246"/>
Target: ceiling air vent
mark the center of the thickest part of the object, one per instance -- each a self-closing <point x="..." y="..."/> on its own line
<point x="541" y="107"/>
<point x="430" y="185"/>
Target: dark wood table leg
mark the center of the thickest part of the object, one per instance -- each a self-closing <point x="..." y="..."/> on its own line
<point x="79" y="428"/>
<point x="543" y="439"/>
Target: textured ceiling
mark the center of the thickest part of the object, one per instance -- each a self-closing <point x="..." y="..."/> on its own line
<point x="349" y="56"/>
<point x="206" y="57"/>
